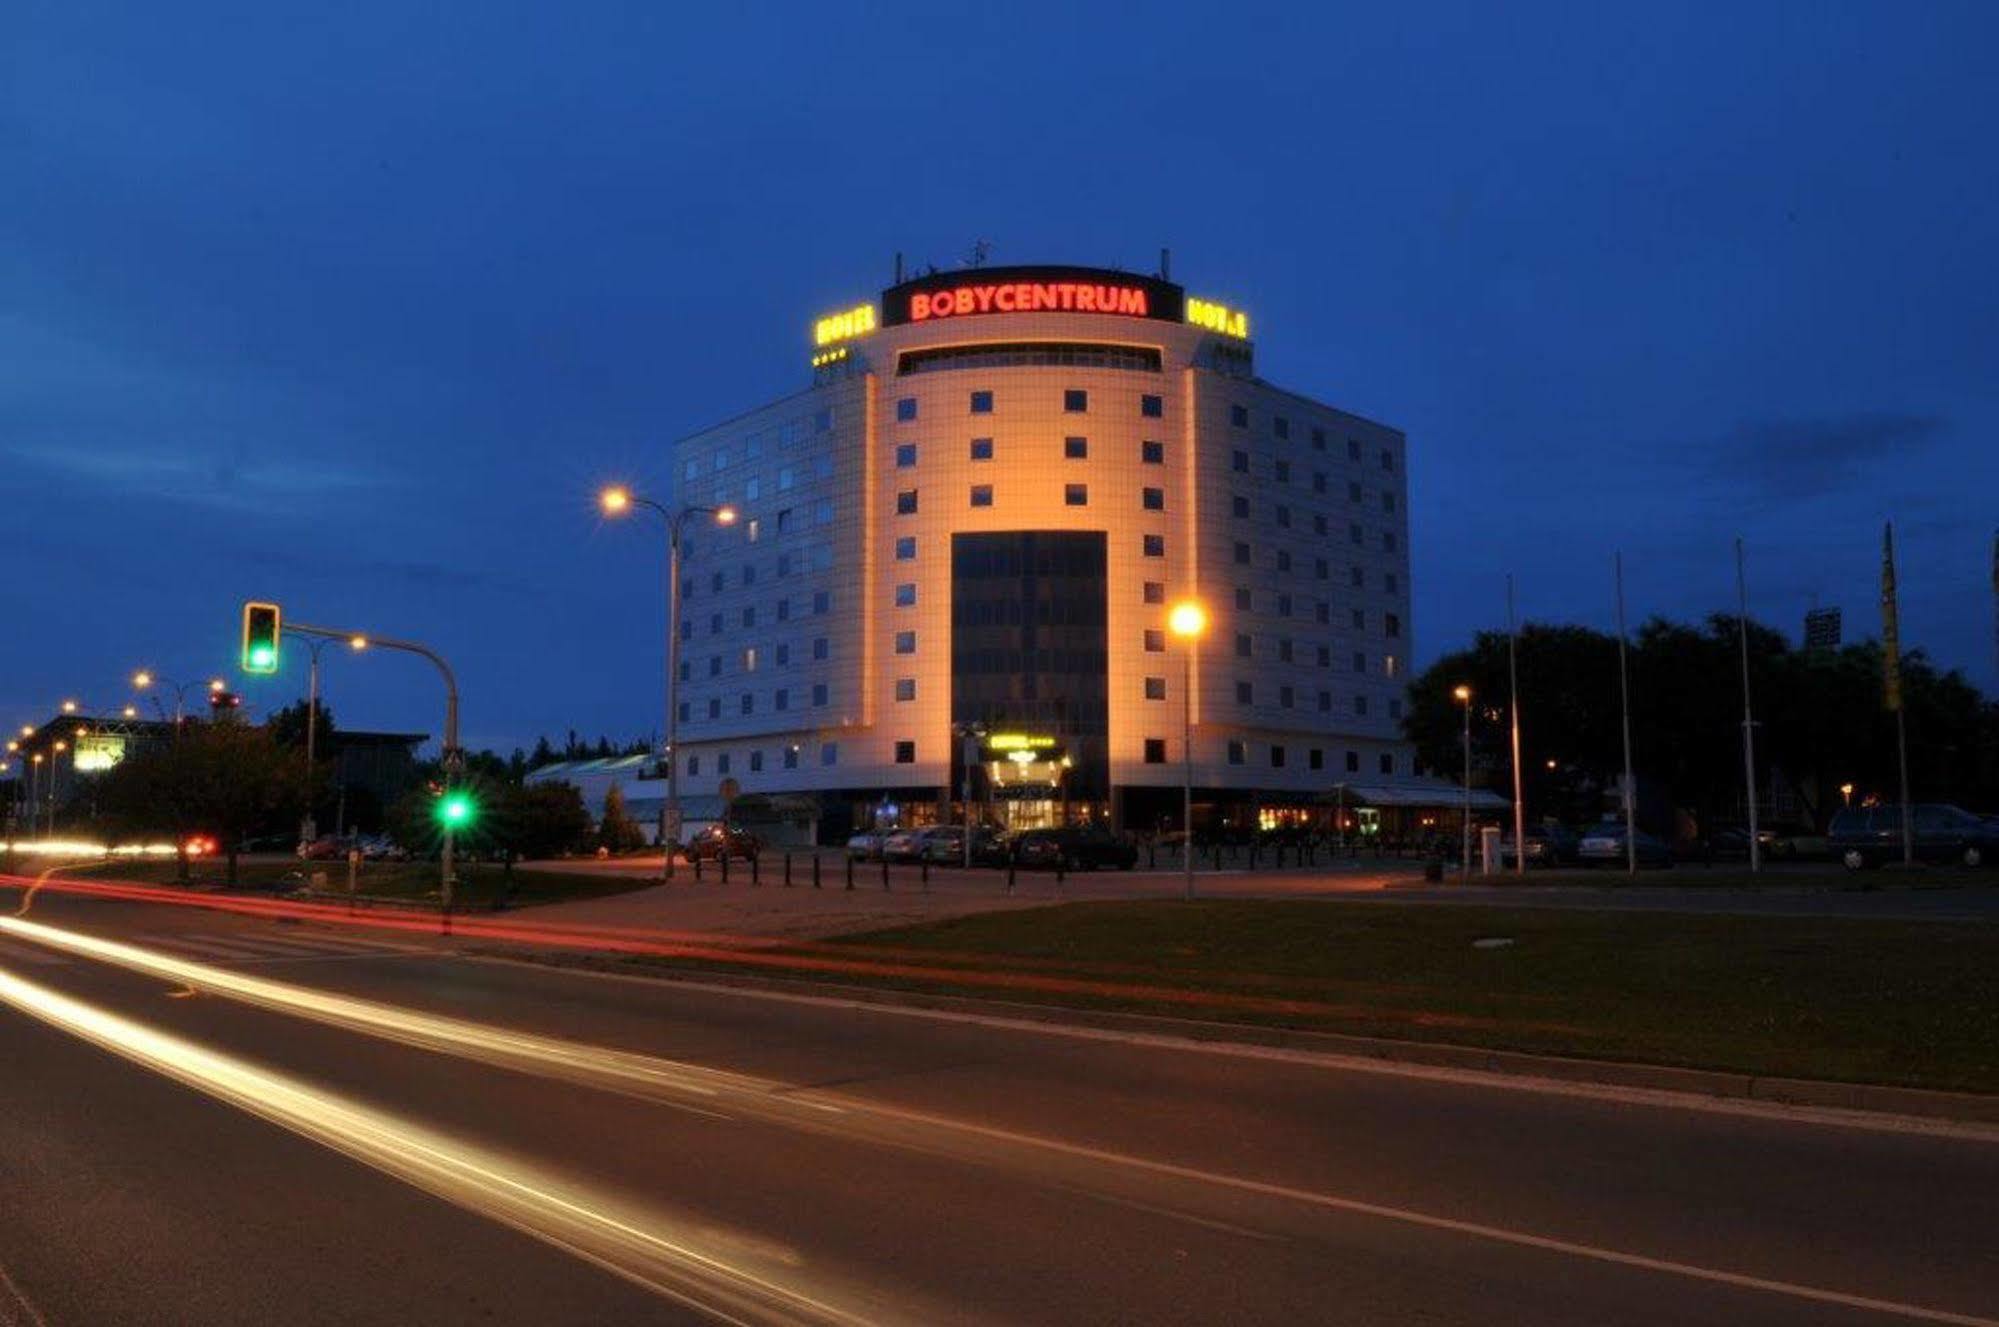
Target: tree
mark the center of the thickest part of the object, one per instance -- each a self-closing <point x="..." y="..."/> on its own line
<point x="230" y="780"/>
<point x="543" y="754"/>
<point x="537" y="820"/>
<point x="616" y="830"/>
<point x="287" y="727"/>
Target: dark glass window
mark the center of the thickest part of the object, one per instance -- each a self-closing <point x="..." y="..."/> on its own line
<point x="1276" y="757"/>
<point x="1239" y="416"/>
<point x="905" y="548"/>
<point x="905" y="753"/>
<point x="1017" y="354"/>
<point x="1155" y="688"/>
<point x="982" y="449"/>
<point x="1152" y="453"/>
<point x="1075" y="400"/>
<point x="1154" y="545"/>
<point x="1281" y="426"/>
<point x="1155" y="641"/>
<point x="1155" y="592"/>
<point x="1075" y="495"/>
<point x="905" y="502"/>
<point x="1076" y="449"/>
<point x="982" y="495"/>
<point x="905" y="688"/>
<point x="905" y="409"/>
<point x="1155" y="751"/>
<point x="982" y="403"/>
<point x="905" y="455"/>
<point x="1152" y="407"/>
<point x="1239" y="462"/>
<point x="1153" y="499"/>
<point x="1238" y="752"/>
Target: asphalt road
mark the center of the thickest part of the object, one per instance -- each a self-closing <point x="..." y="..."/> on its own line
<point x="199" y="1124"/>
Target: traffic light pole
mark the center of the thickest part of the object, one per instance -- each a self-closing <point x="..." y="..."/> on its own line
<point x="454" y="757"/>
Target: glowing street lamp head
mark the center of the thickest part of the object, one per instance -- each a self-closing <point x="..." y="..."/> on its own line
<point x="13" y="745"/>
<point x="61" y="746"/>
<point x="357" y="642"/>
<point x="1461" y="693"/>
<point x="217" y="686"/>
<point x="725" y="516"/>
<point x="142" y="679"/>
<point x="27" y="730"/>
<point x="1187" y="619"/>
<point x="615" y="500"/>
<point x="130" y="711"/>
<point x="69" y="707"/>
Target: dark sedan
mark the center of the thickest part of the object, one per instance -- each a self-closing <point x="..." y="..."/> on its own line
<point x="1076" y="848"/>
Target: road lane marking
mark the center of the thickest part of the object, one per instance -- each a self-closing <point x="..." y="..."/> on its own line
<point x="16" y="1310"/>
<point x="567" y="1215"/>
<point x="555" y="1057"/>
<point x="1665" y="1098"/>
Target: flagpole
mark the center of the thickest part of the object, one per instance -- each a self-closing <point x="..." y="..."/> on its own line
<point x="1748" y="720"/>
<point x="1891" y="681"/>
<point x="1513" y="676"/>
<point x="1624" y="692"/>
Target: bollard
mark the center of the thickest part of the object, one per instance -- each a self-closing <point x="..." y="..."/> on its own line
<point x="884" y="870"/>
<point x="725" y="866"/>
<point x="697" y="868"/>
<point x="1058" y="873"/>
<point x="756" y="871"/>
<point x="1252" y="855"/>
<point x="1152" y="854"/>
<point x="787" y="868"/>
<point x="1009" y="875"/>
<point x="850" y="872"/>
<point x="815" y="870"/>
<point x="925" y="871"/>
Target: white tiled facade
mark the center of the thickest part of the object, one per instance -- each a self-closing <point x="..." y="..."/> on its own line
<point x="817" y="631"/>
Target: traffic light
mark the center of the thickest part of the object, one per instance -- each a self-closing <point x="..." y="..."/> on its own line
<point x="260" y="638"/>
<point x="457" y="809"/>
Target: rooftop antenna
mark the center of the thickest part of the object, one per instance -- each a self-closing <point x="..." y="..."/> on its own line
<point x="977" y="257"/>
<point x="1165" y="264"/>
<point x="898" y="267"/>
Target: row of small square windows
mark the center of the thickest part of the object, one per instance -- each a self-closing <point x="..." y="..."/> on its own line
<point x="1073" y="495"/>
<point x="1074" y="448"/>
<point x="1076" y="401"/>
<point x="1237" y="753"/>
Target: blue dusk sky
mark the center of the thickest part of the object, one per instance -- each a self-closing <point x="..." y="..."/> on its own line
<point x="353" y="306"/>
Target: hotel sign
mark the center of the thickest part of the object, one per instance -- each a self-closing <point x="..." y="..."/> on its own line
<point x="844" y="325"/>
<point x="1001" y="290"/>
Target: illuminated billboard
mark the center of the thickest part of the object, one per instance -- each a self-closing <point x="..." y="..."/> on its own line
<point x="990" y="290"/>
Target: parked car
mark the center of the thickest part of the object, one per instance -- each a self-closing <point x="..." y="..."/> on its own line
<point x="1772" y="844"/>
<point x="325" y="848"/>
<point x="1863" y="836"/>
<point x="719" y="840"/>
<point x="903" y="845"/>
<point x="866" y="846"/>
<point x="1603" y="844"/>
<point x="1547" y="845"/>
<point x="1074" y="848"/>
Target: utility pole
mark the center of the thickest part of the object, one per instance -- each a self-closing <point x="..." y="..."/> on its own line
<point x="1513" y="677"/>
<point x="1624" y="694"/>
<point x="1748" y="720"/>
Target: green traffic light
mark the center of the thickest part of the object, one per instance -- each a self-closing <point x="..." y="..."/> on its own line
<point x="262" y="656"/>
<point x="456" y="810"/>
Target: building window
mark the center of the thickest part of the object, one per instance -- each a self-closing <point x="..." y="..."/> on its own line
<point x="822" y="648"/>
<point x="1390" y="666"/>
<point x="1155" y="641"/>
<point x="1155" y="751"/>
<point x="822" y="602"/>
<point x="714" y="665"/>
<point x="829" y="753"/>
<point x="1280" y="426"/>
<point x="1353" y="762"/>
<point x="1075" y="495"/>
<point x="1075" y="401"/>
<point x="982" y="495"/>
<point x="714" y="707"/>
<point x="905" y="548"/>
<point x="905" y="688"/>
<point x="1152" y="407"/>
<point x="791" y="757"/>
<point x="749" y="703"/>
<point x="1391" y="625"/>
<point x="905" y="753"/>
<point x="1325" y="651"/>
<point x="1239" y="462"/>
<point x="1322" y="568"/>
<point x="750" y="616"/>
<point x="1153" y="499"/>
<point x="1388" y="460"/>
<point x="1237" y="751"/>
<point x="1353" y="449"/>
<point x="1284" y="559"/>
<point x="1155" y="688"/>
<point x="1387" y="758"/>
<point x="1360" y="619"/>
<point x="783" y="653"/>
<point x="1284" y="600"/>
<point x="1394" y="709"/>
<point x="686" y="710"/>
<point x="1155" y="592"/>
<point x="1245" y="693"/>
<point x="1356" y="577"/>
<point x="756" y="762"/>
<point x="714" y="624"/>
<point x="982" y="403"/>
<point x="781" y="698"/>
<point x="905" y="642"/>
<point x="694" y="764"/>
<point x="1243" y="645"/>
<point x="821" y="693"/>
<point x="1283" y="517"/>
<point x="1315" y="758"/>
<point x="905" y="503"/>
<point x="905" y="455"/>
<point x="905" y="595"/>
<point x="1239" y="416"/>
<point x="1388" y="541"/>
<point x="905" y="409"/>
<point x="1359" y="662"/>
<point x="750" y="659"/>
<point x="1076" y="449"/>
<point x="1318" y="440"/>
<point x="1241" y="553"/>
<point x="1360" y="706"/>
<point x="1243" y="598"/>
<point x="1276" y="756"/>
<point x="1152" y="453"/>
<point x="982" y="449"/>
<point x="1388" y="503"/>
<point x="1283" y="472"/>
<point x="1355" y="535"/>
<point x="1325" y="702"/>
<point x="1239" y="507"/>
<point x="1388" y="582"/>
<point x="1284" y="649"/>
<point x="1353" y="490"/>
<point x="1153" y="545"/>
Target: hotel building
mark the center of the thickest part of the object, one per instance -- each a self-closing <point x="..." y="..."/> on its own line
<point x="957" y="549"/>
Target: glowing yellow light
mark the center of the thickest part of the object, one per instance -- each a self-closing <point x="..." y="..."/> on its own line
<point x="13" y="745"/>
<point x="27" y="730"/>
<point x="845" y="325"/>
<point x="1461" y="693"/>
<point x="825" y="357"/>
<point x="69" y="707"/>
<point x="130" y="711"/>
<point x="357" y="642"/>
<point x="217" y="685"/>
<point x="1217" y="317"/>
<point x="61" y="746"/>
<point x="725" y="516"/>
<point x="1029" y="742"/>
<point x="142" y="679"/>
<point x="615" y="500"/>
<point x="1187" y="619"/>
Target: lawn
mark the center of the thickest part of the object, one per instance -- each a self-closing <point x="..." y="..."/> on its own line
<point x="1912" y="1003"/>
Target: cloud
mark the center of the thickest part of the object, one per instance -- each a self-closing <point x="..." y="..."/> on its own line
<point x="1808" y="458"/>
<point x="231" y="480"/>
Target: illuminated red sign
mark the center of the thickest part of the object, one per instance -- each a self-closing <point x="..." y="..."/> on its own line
<point x="1030" y="297"/>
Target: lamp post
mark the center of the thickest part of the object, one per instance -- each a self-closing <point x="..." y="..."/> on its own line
<point x="308" y="829"/>
<point x="618" y="500"/>
<point x="1462" y="694"/>
<point x="1187" y="620"/>
<point x="145" y="680"/>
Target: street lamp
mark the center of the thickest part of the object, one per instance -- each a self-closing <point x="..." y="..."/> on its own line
<point x="1462" y="694"/>
<point x="1188" y="620"/>
<point x="618" y="501"/>
<point x="1846" y="791"/>
<point x="145" y="679"/>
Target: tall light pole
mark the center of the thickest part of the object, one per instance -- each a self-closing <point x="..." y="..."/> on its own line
<point x="1462" y="694"/>
<point x="1748" y="719"/>
<point x="145" y="680"/>
<point x="1189" y="621"/>
<point x="308" y="829"/>
<point x="618" y="500"/>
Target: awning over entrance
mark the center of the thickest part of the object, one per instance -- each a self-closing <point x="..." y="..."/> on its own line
<point x="1416" y="794"/>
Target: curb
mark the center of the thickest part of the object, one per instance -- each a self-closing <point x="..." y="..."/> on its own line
<point x="1870" y="1098"/>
